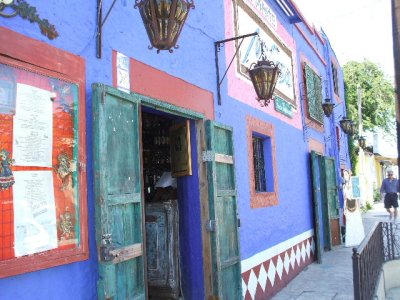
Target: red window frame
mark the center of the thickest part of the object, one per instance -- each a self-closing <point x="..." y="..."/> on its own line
<point x="261" y="199"/>
<point x="20" y="51"/>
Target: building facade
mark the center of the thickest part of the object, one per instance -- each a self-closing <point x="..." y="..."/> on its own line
<point x="128" y="173"/>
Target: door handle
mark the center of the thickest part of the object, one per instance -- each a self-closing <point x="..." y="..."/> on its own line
<point x="106" y="253"/>
<point x="106" y="248"/>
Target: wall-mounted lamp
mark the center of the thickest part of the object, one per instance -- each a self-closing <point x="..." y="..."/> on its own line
<point x="347" y="126"/>
<point x="217" y="49"/>
<point x="327" y="107"/>
<point x="353" y="129"/>
<point x="164" y="20"/>
<point x="264" y="75"/>
<point x="362" y="141"/>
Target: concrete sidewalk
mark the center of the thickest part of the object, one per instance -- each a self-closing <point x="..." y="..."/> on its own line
<point x="333" y="279"/>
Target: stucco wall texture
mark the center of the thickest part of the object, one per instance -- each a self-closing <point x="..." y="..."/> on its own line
<point x="194" y="62"/>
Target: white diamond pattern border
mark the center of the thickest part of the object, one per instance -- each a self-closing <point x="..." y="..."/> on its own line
<point x="289" y="260"/>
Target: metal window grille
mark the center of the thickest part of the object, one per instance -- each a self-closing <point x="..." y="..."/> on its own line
<point x="314" y="94"/>
<point x="259" y="165"/>
<point x="335" y="79"/>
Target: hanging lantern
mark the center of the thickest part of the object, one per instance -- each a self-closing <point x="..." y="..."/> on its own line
<point x="327" y="107"/>
<point x="353" y="129"/>
<point x="164" y="20"/>
<point x="362" y="142"/>
<point x="264" y="74"/>
<point x="347" y="126"/>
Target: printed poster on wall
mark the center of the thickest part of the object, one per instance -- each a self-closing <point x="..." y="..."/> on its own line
<point x="33" y="127"/>
<point x="250" y="52"/>
<point x="35" y="227"/>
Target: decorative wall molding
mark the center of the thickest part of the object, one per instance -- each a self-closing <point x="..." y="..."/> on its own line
<point x="266" y="273"/>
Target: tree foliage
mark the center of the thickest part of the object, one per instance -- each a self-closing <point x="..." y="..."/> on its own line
<point x="377" y="95"/>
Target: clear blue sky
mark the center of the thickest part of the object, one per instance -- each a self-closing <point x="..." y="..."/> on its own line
<point x="357" y="29"/>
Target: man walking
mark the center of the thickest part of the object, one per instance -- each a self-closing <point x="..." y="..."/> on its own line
<point x="389" y="190"/>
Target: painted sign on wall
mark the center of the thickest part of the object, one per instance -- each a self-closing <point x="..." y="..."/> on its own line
<point x="283" y="107"/>
<point x="266" y="12"/>
<point x="275" y="50"/>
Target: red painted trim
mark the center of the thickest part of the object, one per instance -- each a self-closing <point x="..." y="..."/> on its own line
<point x="114" y="68"/>
<point x="310" y="44"/>
<point x="148" y="81"/>
<point x="319" y="36"/>
<point x="258" y="200"/>
<point x="21" y="51"/>
<point x="317" y="146"/>
<point x="272" y="288"/>
<point x="20" y="47"/>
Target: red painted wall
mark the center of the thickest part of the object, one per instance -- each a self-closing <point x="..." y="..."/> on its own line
<point x="148" y="81"/>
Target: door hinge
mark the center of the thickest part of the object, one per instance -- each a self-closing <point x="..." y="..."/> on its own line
<point x="211" y="226"/>
<point x="238" y="222"/>
<point x="208" y="155"/>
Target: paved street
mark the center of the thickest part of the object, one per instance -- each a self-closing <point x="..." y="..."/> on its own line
<point x="333" y="279"/>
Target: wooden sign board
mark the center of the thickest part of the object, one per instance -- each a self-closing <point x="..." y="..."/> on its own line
<point x="181" y="159"/>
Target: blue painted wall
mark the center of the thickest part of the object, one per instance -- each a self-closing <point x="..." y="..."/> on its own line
<point x="263" y="228"/>
<point x="123" y="31"/>
<point x="194" y="62"/>
<point x="191" y="254"/>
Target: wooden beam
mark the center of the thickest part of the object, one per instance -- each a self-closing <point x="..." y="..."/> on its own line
<point x="126" y="253"/>
<point x="222" y="158"/>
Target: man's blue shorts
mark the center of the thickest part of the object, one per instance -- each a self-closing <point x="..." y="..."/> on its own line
<point x="391" y="200"/>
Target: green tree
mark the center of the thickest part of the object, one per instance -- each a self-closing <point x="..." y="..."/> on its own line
<point x="377" y="99"/>
<point x="377" y="94"/>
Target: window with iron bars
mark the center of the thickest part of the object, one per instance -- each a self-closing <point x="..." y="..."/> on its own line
<point x="335" y="79"/>
<point x="259" y="165"/>
<point x="314" y="94"/>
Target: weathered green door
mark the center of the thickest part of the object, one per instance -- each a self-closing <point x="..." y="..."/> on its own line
<point x="118" y="200"/>
<point x="331" y="186"/>
<point x="332" y="198"/>
<point x="316" y="182"/>
<point x="226" y="270"/>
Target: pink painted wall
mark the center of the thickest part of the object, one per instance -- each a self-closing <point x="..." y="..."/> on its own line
<point x="241" y="88"/>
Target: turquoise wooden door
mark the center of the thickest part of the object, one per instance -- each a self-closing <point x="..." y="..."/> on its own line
<point x="331" y="187"/>
<point x="118" y="197"/>
<point x="332" y="199"/>
<point x="226" y="270"/>
<point x="316" y="182"/>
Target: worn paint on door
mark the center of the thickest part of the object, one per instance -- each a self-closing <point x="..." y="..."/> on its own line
<point x="226" y="269"/>
<point x="316" y="182"/>
<point x="328" y="164"/>
<point x="117" y="171"/>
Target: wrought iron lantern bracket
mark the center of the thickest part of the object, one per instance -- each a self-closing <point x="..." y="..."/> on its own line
<point x="12" y="8"/>
<point x="100" y="24"/>
<point x="217" y="48"/>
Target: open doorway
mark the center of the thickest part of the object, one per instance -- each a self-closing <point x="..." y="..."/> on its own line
<point x="161" y="209"/>
<point x="172" y="210"/>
